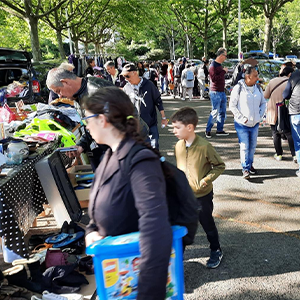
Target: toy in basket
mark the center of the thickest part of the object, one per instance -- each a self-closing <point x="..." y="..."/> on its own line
<point x="116" y="261"/>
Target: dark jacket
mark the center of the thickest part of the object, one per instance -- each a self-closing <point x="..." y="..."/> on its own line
<point x="123" y="203"/>
<point x="152" y="99"/>
<point x="217" y="77"/>
<point x="90" y="85"/>
<point x="292" y="92"/>
<point x="120" y="81"/>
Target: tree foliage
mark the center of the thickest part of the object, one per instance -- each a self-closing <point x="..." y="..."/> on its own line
<point x="148" y="28"/>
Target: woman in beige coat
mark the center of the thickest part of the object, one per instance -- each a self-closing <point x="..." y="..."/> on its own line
<point x="274" y="92"/>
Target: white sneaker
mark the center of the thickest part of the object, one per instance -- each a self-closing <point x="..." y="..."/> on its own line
<point x="51" y="296"/>
<point x="278" y="157"/>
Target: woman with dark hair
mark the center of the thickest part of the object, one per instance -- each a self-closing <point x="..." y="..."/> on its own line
<point x="248" y="106"/>
<point x="274" y="92"/>
<point x="123" y="203"/>
<point x="90" y="69"/>
<point x="140" y="67"/>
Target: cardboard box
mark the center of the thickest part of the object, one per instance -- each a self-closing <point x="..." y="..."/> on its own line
<point x="83" y="197"/>
<point x="78" y="169"/>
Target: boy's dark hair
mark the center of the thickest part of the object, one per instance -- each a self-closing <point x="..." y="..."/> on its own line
<point x="185" y="115"/>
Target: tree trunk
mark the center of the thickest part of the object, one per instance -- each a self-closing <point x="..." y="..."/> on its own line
<point x="76" y="44"/>
<point x="224" y="21"/>
<point x="268" y="28"/>
<point x="32" y="22"/>
<point x="60" y="45"/>
<point x="205" y="47"/>
<point x="59" y="36"/>
<point x="170" y="45"/>
<point x="191" y="49"/>
<point x="34" y="38"/>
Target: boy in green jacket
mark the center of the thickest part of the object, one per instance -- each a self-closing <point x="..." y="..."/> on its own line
<point x="200" y="162"/>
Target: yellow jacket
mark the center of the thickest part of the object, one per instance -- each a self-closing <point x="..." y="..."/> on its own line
<point x="199" y="162"/>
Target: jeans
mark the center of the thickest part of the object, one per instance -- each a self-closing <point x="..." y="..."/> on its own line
<point x="277" y="140"/>
<point x="218" y="102"/>
<point x="248" y="140"/>
<point x="164" y="83"/>
<point x="295" y="128"/>
<point x="153" y="132"/>
<point x="205" y="210"/>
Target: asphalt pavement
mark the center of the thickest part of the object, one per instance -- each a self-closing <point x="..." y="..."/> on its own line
<point x="257" y="219"/>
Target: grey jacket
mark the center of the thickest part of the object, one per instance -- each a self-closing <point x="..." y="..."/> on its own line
<point x="123" y="203"/>
<point x="292" y="92"/>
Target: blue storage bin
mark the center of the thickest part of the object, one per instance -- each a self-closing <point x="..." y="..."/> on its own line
<point x="116" y="263"/>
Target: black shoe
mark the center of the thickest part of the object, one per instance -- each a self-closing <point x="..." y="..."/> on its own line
<point x="215" y="259"/>
<point x="252" y="171"/>
<point x="221" y="133"/>
<point x="208" y="134"/>
<point x="86" y="265"/>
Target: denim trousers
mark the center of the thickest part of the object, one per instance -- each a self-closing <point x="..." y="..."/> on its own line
<point x="248" y="140"/>
<point x="153" y="132"/>
<point x="164" y="83"/>
<point x="218" y="113"/>
<point x="295" y="128"/>
<point x="205" y="210"/>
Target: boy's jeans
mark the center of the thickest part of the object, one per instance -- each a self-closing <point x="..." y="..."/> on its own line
<point x="248" y="140"/>
<point x="295" y="128"/>
<point x="218" y="102"/>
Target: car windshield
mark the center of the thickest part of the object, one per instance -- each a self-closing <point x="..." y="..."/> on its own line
<point x="269" y="68"/>
<point x="12" y="56"/>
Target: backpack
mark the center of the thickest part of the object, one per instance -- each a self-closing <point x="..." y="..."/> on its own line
<point x="152" y="75"/>
<point x="237" y="74"/>
<point x="182" y="204"/>
<point x="189" y="75"/>
<point x="177" y="71"/>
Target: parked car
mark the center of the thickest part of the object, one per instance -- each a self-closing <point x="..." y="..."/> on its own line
<point x="267" y="70"/>
<point x="20" y="79"/>
<point x="256" y="55"/>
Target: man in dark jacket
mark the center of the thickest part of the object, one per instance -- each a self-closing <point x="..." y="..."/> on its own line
<point x="217" y="94"/>
<point x="114" y="75"/>
<point x="68" y="85"/>
<point x="146" y="97"/>
<point x="292" y="92"/>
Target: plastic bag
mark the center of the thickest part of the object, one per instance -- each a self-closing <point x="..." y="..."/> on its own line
<point x="6" y="114"/>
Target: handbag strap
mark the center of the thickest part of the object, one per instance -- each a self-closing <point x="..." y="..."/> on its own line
<point x="280" y="83"/>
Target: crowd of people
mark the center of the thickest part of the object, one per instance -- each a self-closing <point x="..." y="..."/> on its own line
<point x="120" y="109"/>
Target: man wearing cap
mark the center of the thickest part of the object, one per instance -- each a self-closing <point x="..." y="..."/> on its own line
<point x="217" y="94"/>
<point x="146" y="98"/>
<point x="114" y="75"/>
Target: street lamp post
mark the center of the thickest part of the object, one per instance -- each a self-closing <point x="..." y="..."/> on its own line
<point x="239" y="33"/>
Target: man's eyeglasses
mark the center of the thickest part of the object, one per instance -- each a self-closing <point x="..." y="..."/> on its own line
<point x="127" y="76"/>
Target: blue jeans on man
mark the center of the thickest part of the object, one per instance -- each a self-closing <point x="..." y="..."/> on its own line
<point x="295" y="128"/>
<point x="248" y="140"/>
<point x="153" y="132"/>
<point x="219" y="103"/>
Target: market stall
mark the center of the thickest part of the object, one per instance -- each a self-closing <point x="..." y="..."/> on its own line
<point x="41" y="129"/>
